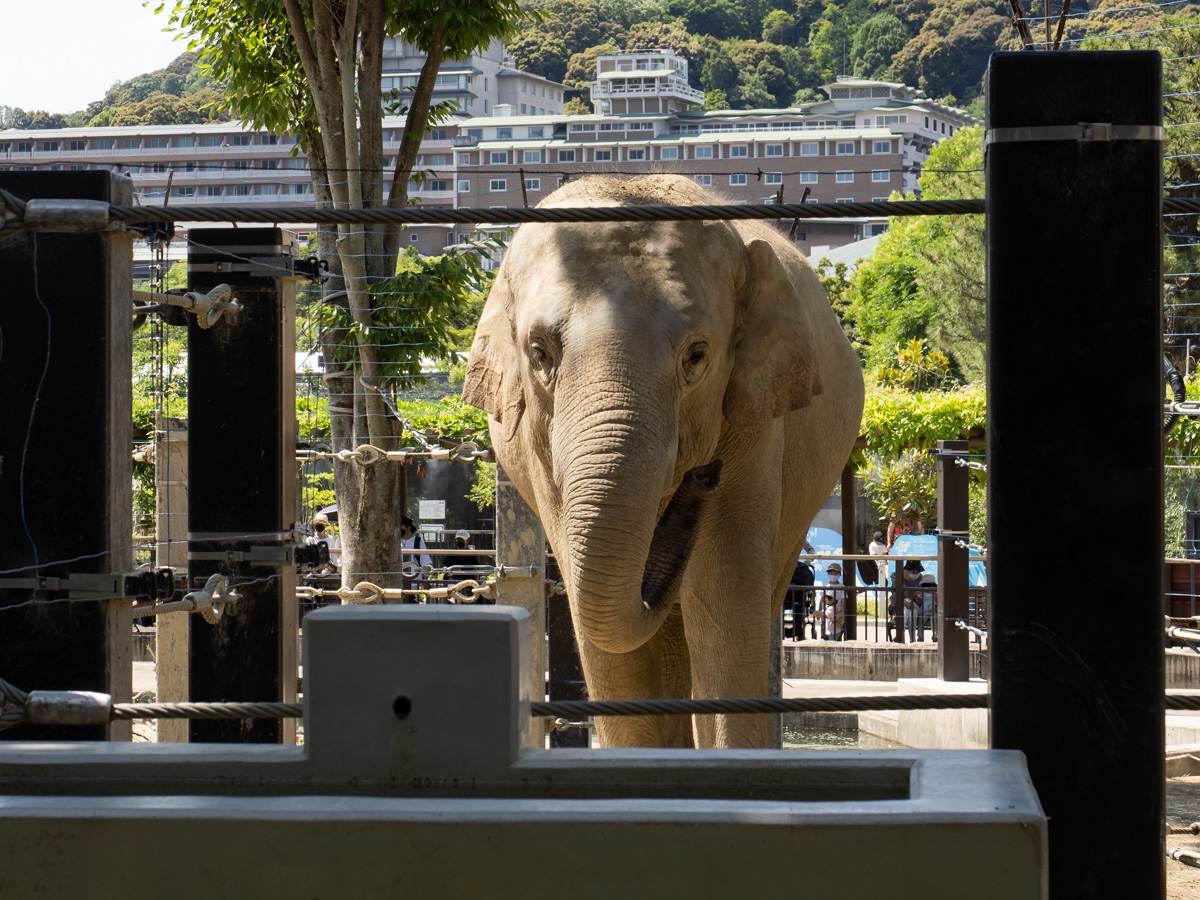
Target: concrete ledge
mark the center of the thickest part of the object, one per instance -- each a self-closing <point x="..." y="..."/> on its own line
<point x="866" y="661"/>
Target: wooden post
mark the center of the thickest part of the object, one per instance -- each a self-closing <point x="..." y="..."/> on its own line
<point x="241" y="470"/>
<point x="521" y="542"/>
<point x="849" y="545"/>
<point x="173" y="631"/>
<point x="1090" y="194"/>
<point x="954" y="658"/>
<point x="65" y="467"/>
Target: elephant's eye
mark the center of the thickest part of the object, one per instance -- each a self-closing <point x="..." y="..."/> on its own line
<point x="694" y="360"/>
<point x="541" y="358"/>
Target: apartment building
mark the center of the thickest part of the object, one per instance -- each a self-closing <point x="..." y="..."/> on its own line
<point x="868" y="139"/>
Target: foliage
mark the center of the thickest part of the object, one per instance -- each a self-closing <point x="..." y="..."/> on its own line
<point x="483" y="488"/>
<point x="420" y="312"/>
<point x="926" y="277"/>
<point x="903" y="488"/>
<point x="915" y="368"/>
<point x="449" y="417"/>
<point x="896" y="421"/>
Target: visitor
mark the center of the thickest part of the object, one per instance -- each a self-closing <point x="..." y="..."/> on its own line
<point x="322" y="534"/>
<point x="833" y="606"/>
<point x="911" y="594"/>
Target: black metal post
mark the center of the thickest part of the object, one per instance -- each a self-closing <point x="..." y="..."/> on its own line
<point x="1074" y="281"/>
<point x="65" y="443"/>
<point x="954" y="659"/>
<point x="242" y="476"/>
<point x="849" y="545"/>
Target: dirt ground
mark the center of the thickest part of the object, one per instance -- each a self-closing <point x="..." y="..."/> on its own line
<point x="1183" y="808"/>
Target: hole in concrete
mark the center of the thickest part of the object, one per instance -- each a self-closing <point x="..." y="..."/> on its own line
<point x="401" y="706"/>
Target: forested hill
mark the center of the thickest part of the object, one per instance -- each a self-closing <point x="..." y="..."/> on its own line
<point x="747" y="54"/>
<point x="744" y="54"/>
<point x="179" y="94"/>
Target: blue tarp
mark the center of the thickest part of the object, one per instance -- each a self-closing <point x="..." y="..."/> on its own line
<point x="926" y="545"/>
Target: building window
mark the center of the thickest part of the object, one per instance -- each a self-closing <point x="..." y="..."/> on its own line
<point x="476" y="133"/>
<point x="704" y="153"/>
<point x="808" y="177"/>
<point x="739" y="151"/>
<point x="239" y="164"/>
<point x="879" y="199"/>
<point x="438" y="134"/>
<point x="566" y="156"/>
<point x="603" y="156"/>
<point x="439" y="185"/>
<point x="522" y="109"/>
<point x="498" y="184"/>
<point x="185" y="192"/>
<point x="212" y="191"/>
<point x="464" y="187"/>
<point x="737" y="179"/>
<point x="464" y="159"/>
<point x="240" y="140"/>
<point x="536" y="131"/>
<point x="772" y="178"/>
<point x="882" y="147"/>
<point x="212" y="140"/>
<point x="499" y="158"/>
<point x="76" y="168"/>
<point x="669" y="153"/>
<point x="438" y="160"/>
<point x="810" y="149"/>
<point x="774" y="149"/>
<point x="77" y="145"/>
<point x="531" y="156"/>
<point x="881" y="175"/>
<point x="269" y="139"/>
<point x="844" y="177"/>
<point x="533" y="184"/>
<point x="103" y="143"/>
<point x="241" y="190"/>
<point x="158" y="167"/>
<point x="844" y="200"/>
<point x="268" y="164"/>
<point x="845" y="148"/>
<point x="608" y="126"/>
<point x="704" y="180"/>
<point x="636" y="154"/>
<point x="158" y="143"/>
<point x="504" y="134"/>
<point x="524" y="88"/>
<point x="883" y="121"/>
<point x="271" y="189"/>
<point x="413" y="237"/>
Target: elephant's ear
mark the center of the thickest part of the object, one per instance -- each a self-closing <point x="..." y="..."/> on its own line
<point x="493" y="379"/>
<point x="775" y="370"/>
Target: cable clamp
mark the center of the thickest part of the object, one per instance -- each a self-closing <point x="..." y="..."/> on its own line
<point x="1083" y="132"/>
<point x="143" y="584"/>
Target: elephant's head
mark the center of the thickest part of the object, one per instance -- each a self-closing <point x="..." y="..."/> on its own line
<point x="613" y="359"/>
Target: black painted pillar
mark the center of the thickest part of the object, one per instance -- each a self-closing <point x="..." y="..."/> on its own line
<point x="242" y="477"/>
<point x="1074" y="448"/>
<point x="65" y="443"/>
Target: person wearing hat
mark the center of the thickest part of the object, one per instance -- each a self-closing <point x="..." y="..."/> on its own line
<point x="880" y="549"/>
<point x="323" y="534"/>
<point x="462" y="541"/>
<point x="912" y="598"/>
<point x="833" y="606"/>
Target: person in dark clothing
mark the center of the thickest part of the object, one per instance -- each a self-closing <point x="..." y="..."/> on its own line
<point x="796" y="601"/>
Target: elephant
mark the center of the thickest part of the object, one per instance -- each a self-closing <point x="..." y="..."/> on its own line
<point x="675" y="401"/>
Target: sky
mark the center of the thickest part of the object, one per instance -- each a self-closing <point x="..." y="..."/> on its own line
<point x="60" y="55"/>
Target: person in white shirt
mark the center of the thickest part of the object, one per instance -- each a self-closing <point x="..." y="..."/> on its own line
<point x="411" y="540"/>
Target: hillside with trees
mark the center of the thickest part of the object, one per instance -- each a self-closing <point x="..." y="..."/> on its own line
<point x="180" y="94"/>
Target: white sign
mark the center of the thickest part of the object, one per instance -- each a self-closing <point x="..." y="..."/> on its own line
<point x="432" y="509"/>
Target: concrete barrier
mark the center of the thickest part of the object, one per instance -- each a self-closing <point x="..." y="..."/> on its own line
<point x="417" y="777"/>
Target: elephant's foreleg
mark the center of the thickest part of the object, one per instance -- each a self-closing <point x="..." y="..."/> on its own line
<point x="658" y="669"/>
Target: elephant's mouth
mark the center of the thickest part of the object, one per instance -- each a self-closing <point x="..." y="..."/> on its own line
<point x="675" y="534"/>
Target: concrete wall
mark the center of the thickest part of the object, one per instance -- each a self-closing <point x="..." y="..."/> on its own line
<point x="860" y="661"/>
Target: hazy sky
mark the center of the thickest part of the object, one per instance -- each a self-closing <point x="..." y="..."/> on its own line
<point x="59" y="55"/>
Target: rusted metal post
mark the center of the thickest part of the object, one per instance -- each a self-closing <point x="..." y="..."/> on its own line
<point x="849" y="545"/>
<point x="954" y="659"/>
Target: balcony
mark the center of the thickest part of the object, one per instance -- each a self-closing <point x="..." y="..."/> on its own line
<point x="665" y="88"/>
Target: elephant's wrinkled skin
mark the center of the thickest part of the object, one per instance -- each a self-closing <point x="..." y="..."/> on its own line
<point x="613" y="360"/>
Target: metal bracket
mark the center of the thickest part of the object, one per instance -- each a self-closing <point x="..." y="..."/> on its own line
<point x="516" y="572"/>
<point x="268" y="555"/>
<point x="1083" y="132"/>
<point x="143" y="584"/>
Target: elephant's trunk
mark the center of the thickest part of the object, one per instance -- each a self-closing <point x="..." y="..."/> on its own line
<point x="623" y="561"/>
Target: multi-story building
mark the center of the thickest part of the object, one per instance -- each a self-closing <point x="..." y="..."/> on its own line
<point x="868" y="139"/>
